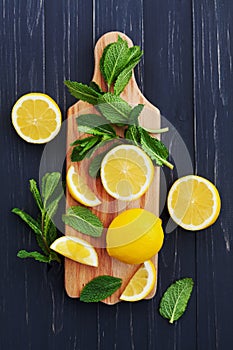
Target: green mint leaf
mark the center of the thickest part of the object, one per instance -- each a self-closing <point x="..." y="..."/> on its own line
<point x="50" y="185"/>
<point x="114" y="60"/>
<point x="94" y="167"/>
<point x="36" y="194"/>
<point x="122" y="80"/>
<point x="96" y="87"/>
<point x="53" y="256"/>
<point x="23" y="254"/>
<point x="135" y="113"/>
<point x="125" y="75"/>
<point x="80" y="152"/>
<point x="135" y="54"/>
<point x="43" y="183"/>
<point x="114" y="108"/>
<point x="76" y="155"/>
<point x="95" y="124"/>
<point x="174" y="301"/>
<point x="32" y="223"/>
<point x="95" y="164"/>
<point x="82" y="92"/>
<point x="132" y="133"/>
<point x="50" y="231"/>
<point x="155" y="149"/>
<point x="83" y="220"/>
<point x="102" y="59"/>
<point x="100" y="288"/>
<point x="91" y="144"/>
<point x="42" y="244"/>
<point x="82" y="142"/>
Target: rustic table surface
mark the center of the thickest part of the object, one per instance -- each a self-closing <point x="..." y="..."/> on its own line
<point x="187" y="72"/>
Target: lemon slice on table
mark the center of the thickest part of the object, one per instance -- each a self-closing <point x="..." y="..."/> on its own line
<point x="126" y="172"/>
<point x="76" y="249"/>
<point x="79" y="189"/>
<point x="141" y="284"/>
<point x="193" y="202"/>
<point x="36" y="118"/>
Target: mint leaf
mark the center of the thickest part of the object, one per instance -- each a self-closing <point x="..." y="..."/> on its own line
<point x="122" y="80"/>
<point x="115" y="58"/>
<point x="36" y="194"/>
<point x="84" y="149"/>
<point x="114" y="108"/>
<point x="174" y="301"/>
<point x="134" y="114"/>
<point x="125" y="75"/>
<point x="50" y="231"/>
<point x="32" y="223"/>
<point x="50" y="184"/>
<point x="94" y="167"/>
<point x="100" y="288"/>
<point x="96" y="87"/>
<point x="95" y="124"/>
<point x="132" y="133"/>
<point x="82" y="92"/>
<point x="43" y="182"/>
<point x="35" y="255"/>
<point x="102" y="59"/>
<point x="155" y="149"/>
<point x="43" y="227"/>
<point x="83" y="220"/>
<point x="95" y="164"/>
<point x="82" y="142"/>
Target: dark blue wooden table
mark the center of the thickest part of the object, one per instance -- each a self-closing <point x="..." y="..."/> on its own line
<point x="187" y="72"/>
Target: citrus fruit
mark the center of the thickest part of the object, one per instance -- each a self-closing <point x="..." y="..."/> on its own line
<point x="36" y="118"/>
<point x="141" y="284"/>
<point x="79" y="189"/>
<point x="134" y="236"/>
<point x="193" y="202"/>
<point x="126" y="172"/>
<point x="76" y="249"/>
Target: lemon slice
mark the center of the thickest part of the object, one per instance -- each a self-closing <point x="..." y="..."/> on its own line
<point x="36" y="118"/>
<point x="141" y="284"/>
<point x="76" y="249"/>
<point x="126" y="172"/>
<point x="193" y="202"/>
<point x="79" y="189"/>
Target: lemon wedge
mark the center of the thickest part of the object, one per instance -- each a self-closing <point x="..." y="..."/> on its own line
<point x="141" y="284"/>
<point x="79" y="189"/>
<point x="76" y="249"/>
<point x="193" y="202"/>
<point x="126" y="172"/>
<point x="36" y="118"/>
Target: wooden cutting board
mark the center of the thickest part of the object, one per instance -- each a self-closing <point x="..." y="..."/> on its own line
<point x="77" y="275"/>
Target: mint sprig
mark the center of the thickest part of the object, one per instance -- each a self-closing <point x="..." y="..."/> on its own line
<point x="44" y="229"/>
<point x="100" y="288"/>
<point x="174" y="301"/>
<point x="116" y="65"/>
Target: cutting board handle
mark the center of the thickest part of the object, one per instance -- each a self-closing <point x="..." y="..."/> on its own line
<point x="132" y="88"/>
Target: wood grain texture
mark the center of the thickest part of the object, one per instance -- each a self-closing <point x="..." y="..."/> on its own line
<point x="78" y="275"/>
<point x="213" y="105"/>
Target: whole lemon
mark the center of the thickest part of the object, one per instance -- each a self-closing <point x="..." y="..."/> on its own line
<point x="134" y="236"/>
